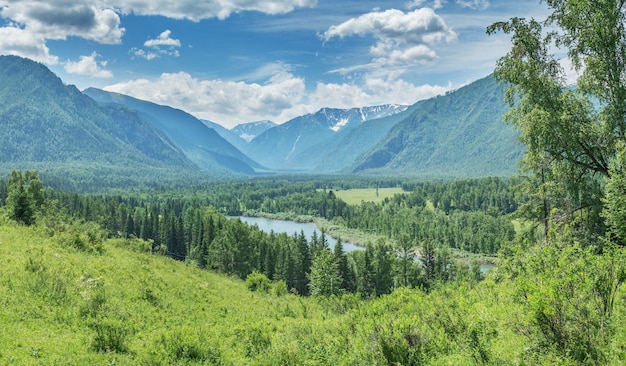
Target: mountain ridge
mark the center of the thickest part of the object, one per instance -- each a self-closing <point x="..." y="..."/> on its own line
<point x="202" y="144"/>
<point x="53" y="127"/>
<point x="467" y="123"/>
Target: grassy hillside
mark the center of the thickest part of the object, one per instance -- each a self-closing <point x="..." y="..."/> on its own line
<point x="69" y="297"/>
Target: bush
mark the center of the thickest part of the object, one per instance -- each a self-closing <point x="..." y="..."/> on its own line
<point x="257" y="281"/>
<point x="280" y="288"/>
<point x="111" y="335"/>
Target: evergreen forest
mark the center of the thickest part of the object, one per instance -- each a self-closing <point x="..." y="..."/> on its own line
<point x="171" y="275"/>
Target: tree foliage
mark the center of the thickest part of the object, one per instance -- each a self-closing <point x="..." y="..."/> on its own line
<point x="571" y="134"/>
<point x="25" y="196"/>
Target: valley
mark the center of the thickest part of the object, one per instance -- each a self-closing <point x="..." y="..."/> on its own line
<point x="101" y="133"/>
<point x="127" y="227"/>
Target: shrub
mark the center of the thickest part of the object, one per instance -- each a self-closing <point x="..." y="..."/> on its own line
<point x="257" y="281"/>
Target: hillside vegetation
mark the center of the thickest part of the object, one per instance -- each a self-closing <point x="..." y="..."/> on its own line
<point x="111" y="303"/>
<point x="74" y="294"/>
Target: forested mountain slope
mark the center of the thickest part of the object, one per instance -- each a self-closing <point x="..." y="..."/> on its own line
<point x="458" y="134"/>
<point x="202" y="144"/>
<point x="56" y="129"/>
<point x="302" y="143"/>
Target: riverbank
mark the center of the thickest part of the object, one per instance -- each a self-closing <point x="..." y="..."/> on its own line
<point x="360" y="238"/>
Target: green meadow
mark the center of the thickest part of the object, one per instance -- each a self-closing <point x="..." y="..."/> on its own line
<point x="376" y="195"/>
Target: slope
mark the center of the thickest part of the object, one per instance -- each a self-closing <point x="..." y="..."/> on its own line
<point x="354" y="142"/>
<point x="202" y="145"/>
<point x="227" y="134"/>
<point x="72" y="298"/>
<point x="52" y="127"/>
<point x="460" y="134"/>
<point x="301" y="143"/>
<point x="250" y="130"/>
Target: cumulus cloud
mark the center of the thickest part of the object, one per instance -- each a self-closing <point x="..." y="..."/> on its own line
<point x="61" y="19"/>
<point x="230" y="102"/>
<point x="19" y="42"/>
<point x="31" y="23"/>
<point x="402" y="39"/>
<point x="281" y="98"/>
<point x="163" y="45"/>
<point x="88" y="66"/>
<point x="163" y="39"/>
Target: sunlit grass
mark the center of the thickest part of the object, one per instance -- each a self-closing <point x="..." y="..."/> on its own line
<point x="377" y="195"/>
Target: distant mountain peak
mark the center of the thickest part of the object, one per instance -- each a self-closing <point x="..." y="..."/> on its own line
<point x="340" y="119"/>
<point x="250" y="130"/>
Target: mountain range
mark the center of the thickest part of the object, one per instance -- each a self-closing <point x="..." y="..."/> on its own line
<point x="98" y="137"/>
<point x="201" y="144"/>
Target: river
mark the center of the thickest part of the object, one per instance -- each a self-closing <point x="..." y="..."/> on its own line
<point x="291" y="227"/>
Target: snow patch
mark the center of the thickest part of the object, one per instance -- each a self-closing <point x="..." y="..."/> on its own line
<point x="247" y="137"/>
<point x="342" y="122"/>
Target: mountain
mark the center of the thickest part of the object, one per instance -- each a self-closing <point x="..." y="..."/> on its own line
<point x="250" y="130"/>
<point x="200" y="143"/>
<point x="301" y="143"/>
<point x="54" y="128"/>
<point x="227" y="134"/>
<point x="354" y="142"/>
<point x="457" y="134"/>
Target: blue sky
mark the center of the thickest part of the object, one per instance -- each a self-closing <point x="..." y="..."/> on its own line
<point x="235" y="61"/>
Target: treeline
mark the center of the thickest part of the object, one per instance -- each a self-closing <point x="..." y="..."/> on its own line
<point x="469" y="215"/>
<point x="192" y="227"/>
<point x="189" y="231"/>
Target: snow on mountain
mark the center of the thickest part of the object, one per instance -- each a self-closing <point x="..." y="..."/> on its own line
<point x="250" y="130"/>
<point x="340" y="119"/>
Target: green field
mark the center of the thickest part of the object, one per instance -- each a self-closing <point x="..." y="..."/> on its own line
<point x="356" y="196"/>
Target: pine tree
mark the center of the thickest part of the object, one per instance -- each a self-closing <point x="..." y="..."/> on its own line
<point x="324" y="278"/>
<point x="24" y="196"/>
<point x="340" y="258"/>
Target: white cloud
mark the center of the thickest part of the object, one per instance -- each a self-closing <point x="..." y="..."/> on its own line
<point x="88" y="66"/>
<point x="283" y="97"/>
<point x="163" y="39"/>
<point x="61" y="19"/>
<point x="163" y="45"/>
<point x="419" y="26"/>
<point x="227" y="102"/>
<point x="197" y="10"/>
<point x="141" y="53"/>
<point x="19" y="42"/>
<point x="401" y="38"/>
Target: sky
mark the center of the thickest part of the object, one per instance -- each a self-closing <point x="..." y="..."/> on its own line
<point x="238" y="61"/>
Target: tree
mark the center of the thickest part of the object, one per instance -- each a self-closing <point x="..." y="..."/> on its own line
<point x="383" y="264"/>
<point x="339" y="256"/>
<point x="405" y="247"/>
<point x="324" y="278"/>
<point x="24" y="196"/>
<point x="428" y="256"/>
<point x="615" y="199"/>
<point x="570" y="140"/>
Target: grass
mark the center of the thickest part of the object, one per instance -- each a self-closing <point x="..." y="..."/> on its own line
<point x="64" y="304"/>
<point x="356" y="196"/>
